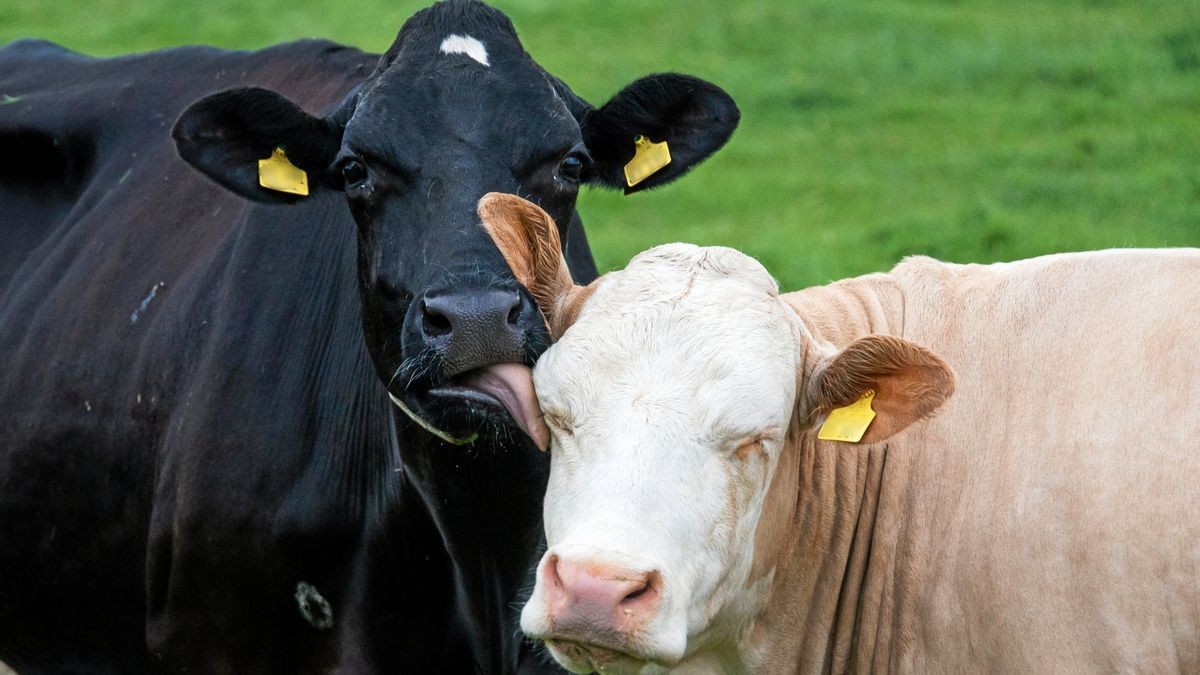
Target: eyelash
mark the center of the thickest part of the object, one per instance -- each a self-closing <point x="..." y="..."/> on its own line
<point x="755" y="442"/>
<point x="743" y="451"/>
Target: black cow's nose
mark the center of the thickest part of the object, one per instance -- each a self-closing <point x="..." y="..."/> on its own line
<point x="490" y="310"/>
<point x="474" y="328"/>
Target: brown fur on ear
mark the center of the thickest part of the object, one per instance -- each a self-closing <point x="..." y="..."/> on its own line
<point x="910" y="383"/>
<point x="569" y="307"/>
<point x="528" y="239"/>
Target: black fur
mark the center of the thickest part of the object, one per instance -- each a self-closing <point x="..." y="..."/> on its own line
<point x="694" y="117"/>
<point x="194" y="418"/>
<point x="225" y="134"/>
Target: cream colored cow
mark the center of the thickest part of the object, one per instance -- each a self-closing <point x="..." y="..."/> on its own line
<point x="1026" y="500"/>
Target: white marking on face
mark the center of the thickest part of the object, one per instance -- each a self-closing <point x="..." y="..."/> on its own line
<point x="465" y="44"/>
<point x="668" y="401"/>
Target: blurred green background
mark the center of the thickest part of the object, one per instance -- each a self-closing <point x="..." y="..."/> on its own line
<point x="969" y="130"/>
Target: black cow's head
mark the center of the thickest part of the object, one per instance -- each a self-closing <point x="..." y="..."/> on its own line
<point x="455" y="109"/>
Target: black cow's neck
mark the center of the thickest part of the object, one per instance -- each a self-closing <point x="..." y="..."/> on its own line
<point x="487" y="503"/>
<point x="471" y="529"/>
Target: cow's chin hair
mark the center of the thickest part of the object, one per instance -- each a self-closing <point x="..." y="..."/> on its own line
<point x="583" y="658"/>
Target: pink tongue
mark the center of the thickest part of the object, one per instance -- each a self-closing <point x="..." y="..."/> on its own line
<point x="512" y="385"/>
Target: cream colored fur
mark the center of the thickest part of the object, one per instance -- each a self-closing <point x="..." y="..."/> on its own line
<point x="1047" y="520"/>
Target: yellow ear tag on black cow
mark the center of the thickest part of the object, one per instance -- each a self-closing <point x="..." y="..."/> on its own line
<point x="848" y="424"/>
<point x="277" y="173"/>
<point x="648" y="158"/>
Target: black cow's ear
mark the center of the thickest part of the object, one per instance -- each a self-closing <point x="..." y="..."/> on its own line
<point x="692" y="116"/>
<point x="225" y="135"/>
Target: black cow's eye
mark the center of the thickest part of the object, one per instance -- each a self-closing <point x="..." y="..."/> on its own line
<point x="353" y="172"/>
<point x="571" y="167"/>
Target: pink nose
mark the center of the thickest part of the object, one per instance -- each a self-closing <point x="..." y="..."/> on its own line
<point x="585" y="597"/>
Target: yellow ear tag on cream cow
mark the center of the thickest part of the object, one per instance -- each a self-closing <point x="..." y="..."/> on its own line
<point x="647" y="159"/>
<point x="277" y="173"/>
<point x="848" y="424"/>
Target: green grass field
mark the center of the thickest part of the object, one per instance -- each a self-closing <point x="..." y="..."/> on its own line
<point x="871" y="129"/>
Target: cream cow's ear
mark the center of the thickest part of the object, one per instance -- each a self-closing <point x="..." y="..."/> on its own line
<point x="909" y="383"/>
<point x="528" y="238"/>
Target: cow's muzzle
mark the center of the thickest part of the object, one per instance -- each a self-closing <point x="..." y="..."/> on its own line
<point x="468" y="363"/>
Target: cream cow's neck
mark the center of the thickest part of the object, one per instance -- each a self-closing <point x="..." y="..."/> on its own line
<point x="814" y="537"/>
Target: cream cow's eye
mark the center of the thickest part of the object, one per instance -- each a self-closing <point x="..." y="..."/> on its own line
<point x="751" y="446"/>
<point x="748" y="449"/>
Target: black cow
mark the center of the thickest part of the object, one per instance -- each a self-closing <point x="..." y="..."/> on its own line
<point x="200" y="467"/>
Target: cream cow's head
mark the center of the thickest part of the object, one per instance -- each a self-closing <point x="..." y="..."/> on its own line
<point x="669" y="401"/>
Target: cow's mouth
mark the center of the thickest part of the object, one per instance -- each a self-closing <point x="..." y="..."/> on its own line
<point x="501" y="392"/>
<point x="581" y="658"/>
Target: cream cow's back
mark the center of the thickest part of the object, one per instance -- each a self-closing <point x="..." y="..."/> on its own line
<point x="1048" y="518"/>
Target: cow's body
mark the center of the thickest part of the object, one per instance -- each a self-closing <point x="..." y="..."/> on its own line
<point x="134" y="317"/>
<point x="1047" y="519"/>
<point x="191" y="424"/>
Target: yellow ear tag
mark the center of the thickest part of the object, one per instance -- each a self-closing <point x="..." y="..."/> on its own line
<point x="277" y="173"/>
<point x="848" y="424"/>
<point x="647" y="159"/>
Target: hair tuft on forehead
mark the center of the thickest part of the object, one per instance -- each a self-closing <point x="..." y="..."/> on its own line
<point x="704" y="263"/>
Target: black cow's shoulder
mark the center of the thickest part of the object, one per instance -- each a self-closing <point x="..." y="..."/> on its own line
<point x="75" y="127"/>
<point x="29" y="68"/>
<point x="38" y="49"/>
<point x="35" y="48"/>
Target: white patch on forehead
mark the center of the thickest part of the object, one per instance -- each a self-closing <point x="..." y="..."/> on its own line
<point x="465" y="44"/>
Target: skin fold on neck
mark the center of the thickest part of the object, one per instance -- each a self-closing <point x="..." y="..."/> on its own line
<point x="814" y="537"/>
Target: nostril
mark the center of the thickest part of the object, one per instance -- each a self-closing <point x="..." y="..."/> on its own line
<point x="646" y="591"/>
<point x="514" y="312"/>
<point x="433" y="321"/>
<point x="637" y="594"/>
<point x="552" y="572"/>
